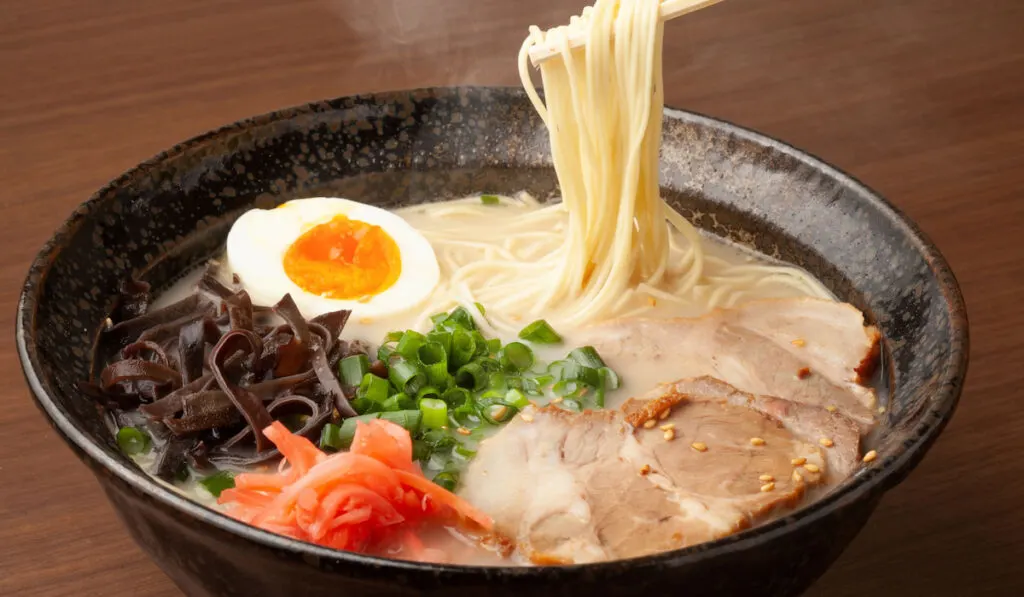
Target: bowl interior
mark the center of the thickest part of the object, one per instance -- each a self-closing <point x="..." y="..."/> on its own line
<point x="392" y="149"/>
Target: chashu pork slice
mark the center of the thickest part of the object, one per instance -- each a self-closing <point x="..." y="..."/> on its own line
<point x="806" y="350"/>
<point x="671" y="470"/>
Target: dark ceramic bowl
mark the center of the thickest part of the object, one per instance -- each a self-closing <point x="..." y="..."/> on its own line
<point x="392" y="149"/>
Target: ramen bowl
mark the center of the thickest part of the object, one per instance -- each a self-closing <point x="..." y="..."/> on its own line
<point x="173" y="212"/>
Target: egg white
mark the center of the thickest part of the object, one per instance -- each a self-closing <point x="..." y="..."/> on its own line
<point x="260" y="238"/>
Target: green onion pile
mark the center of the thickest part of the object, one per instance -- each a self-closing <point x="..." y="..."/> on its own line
<point x="452" y="385"/>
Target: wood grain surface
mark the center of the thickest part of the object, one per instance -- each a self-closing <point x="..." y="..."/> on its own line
<point x="921" y="99"/>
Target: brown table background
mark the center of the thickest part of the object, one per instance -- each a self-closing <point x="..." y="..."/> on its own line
<point x="921" y="99"/>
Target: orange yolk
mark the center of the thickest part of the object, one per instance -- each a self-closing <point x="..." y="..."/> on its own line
<point x="343" y="259"/>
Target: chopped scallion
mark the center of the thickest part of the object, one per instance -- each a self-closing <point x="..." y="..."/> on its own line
<point x="472" y="377"/>
<point x="434" y="413"/>
<point x="353" y="368"/>
<point x="540" y="332"/>
<point x="515" y="356"/>
<point x="490" y="199"/>
<point x="587" y="355"/>
<point x="406" y="377"/>
<point x="373" y="388"/>
<point x="410" y="344"/>
<point x="340" y="437"/>
<point x="133" y="440"/>
<point x="463" y="348"/>
<point x="447" y="479"/>
<point x="218" y="482"/>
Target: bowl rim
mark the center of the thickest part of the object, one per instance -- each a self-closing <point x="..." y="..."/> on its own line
<point x="879" y="478"/>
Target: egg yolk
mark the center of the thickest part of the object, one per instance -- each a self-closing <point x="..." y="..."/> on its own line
<point x="343" y="259"/>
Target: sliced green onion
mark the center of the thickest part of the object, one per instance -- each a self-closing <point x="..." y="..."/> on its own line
<point x="463" y="451"/>
<point x="488" y="364"/>
<point x="497" y="381"/>
<point x="133" y="440"/>
<point x="493" y="346"/>
<point x="570" y="404"/>
<point x="330" y="437"/>
<point x="497" y="412"/>
<point x="340" y="437"/>
<point x="490" y="199"/>
<point x="472" y="377"/>
<point x="410" y="344"/>
<point x="428" y="392"/>
<point x="463" y="348"/>
<point x="530" y="386"/>
<point x="516" y="356"/>
<point x="540" y="332"/>
<point x="218" y="482"/>
<point x="353" y="368"/>
<point x="406" y="377"/>
<point x="481" y="348"/>
<point x="456" y="397"/>
<point x="373" y="388"/>
<point x="564" y="388"/>
<point x="434" y="413"/>
<point x="480" y="308"/>
<point x="399" y="401"/>
<point x="587" y="355"/>
<point x="435" y="362"/>
<point x="442" y="338"/>
<point x="544" y="380"/>
<point x="393" y="337"/>
<point x="384" y="352"/>
<point x="447" y="479"/>
<point x="438" y="318"/>
<point x="517" y="399"/>
<point x="460" y="318"/>
<point x="573" y="371"/>
<point x="611" y="379"/>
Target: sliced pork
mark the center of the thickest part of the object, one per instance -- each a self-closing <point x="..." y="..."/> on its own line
<point x="805" y="350"/>
<point x="690" y="462"/>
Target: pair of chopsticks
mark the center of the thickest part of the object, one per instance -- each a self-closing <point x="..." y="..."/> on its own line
<point x="670" y="9"/>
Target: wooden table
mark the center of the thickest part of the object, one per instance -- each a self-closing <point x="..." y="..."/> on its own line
<point x="921" y="99"/>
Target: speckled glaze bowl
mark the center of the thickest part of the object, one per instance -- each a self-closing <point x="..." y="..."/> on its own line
<point x="392" y="149"/>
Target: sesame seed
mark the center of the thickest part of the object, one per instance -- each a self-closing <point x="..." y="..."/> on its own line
<point x="365" y="320"/>
<point x="767" y="487"/>
<point x="462" y="431"/>
<point x="766" y="478"/>
<point x="826" y="442"/>
<point x="870" y="456"/>
<point x="798" y="461"/>
<point x="811" y="468"/>
<point x="557" y="399"/>
<point x="645" y="470"/>
<point x="667" y="426"/>
<point x="830" y="408"/>
<point x="499" y="412"/>
<point x="664" y="414"/>
<point x="803" y="373"/>
<point x="797" y="477"/>
<point x="652" y="301"/>
<point x="650" y="423"/>
<point x="527" y="417"/>
<point x="670" y="434"/>
<point x="799" y="342"/>
<point x="756" y="441"/>
<point x="699" y="446"/>
<point x="881" y="410"/>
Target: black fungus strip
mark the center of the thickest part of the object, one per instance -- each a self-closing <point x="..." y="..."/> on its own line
<point x="138" y="370"/>
<point x="248" y="404"/>
<point x="171" y="460"/>
<point x="240" y="311"/>
<point x="202" y="411"/>
<point x="173" y="403"/>
<point x="133" y="300"/>
<point x="330" y="383"/>
<point x="130" y="330"/>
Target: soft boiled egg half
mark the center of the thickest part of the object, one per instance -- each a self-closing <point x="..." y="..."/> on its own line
<point x="332" y="254"/>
